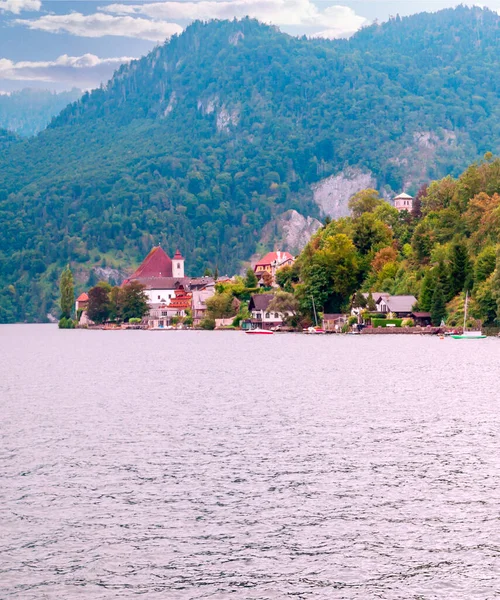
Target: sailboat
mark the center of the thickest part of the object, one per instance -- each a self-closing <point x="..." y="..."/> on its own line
<point x="468" y="335"/>
<point x="316" y="329"/>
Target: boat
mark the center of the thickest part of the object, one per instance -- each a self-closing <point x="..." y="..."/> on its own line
<point x="259" y="331"/>
<point x="315" y="330"/>
<point x="468" y="335"/>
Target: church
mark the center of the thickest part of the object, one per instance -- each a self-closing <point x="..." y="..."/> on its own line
<point x="168" y="290"/>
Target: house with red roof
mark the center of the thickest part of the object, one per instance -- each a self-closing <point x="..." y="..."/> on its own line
<point x="271" y="262"/>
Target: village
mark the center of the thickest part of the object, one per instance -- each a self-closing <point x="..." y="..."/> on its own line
<point x="176" y="301"/>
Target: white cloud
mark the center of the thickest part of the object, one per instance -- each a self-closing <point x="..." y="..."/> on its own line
<point x="18" y="6"/>
<point x="84" y="71"/>
<point x="332" y="21"/>
<point x="99" y="25"/>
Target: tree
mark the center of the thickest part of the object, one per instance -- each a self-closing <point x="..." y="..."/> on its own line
<point x="98" y="309"/>
<point x="267" y="279"/>
<point x="67" y="293"/>
<point x="460" y="267"/>
<point x="485" y="264"/>
<point x="438" y="307"/>
<point x="251" y="279"/>
<point x="284" y="303"/>
<point x="287" y="276"/>
<point x="364" y="201"/>
<point x="495" y="284"/>
<point x="132" y="301"/>
<point x="220" y="306"/>
<point x="370" y="304"/>
<point x="417" y="202"/>
<point x="426" y="292"/>
<point x="359" y="300"/>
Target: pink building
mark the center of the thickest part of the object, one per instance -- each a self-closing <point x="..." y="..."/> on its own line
<point x="403" y="202"/>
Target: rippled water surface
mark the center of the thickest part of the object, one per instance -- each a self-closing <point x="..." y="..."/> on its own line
<point x="216" y="465"/>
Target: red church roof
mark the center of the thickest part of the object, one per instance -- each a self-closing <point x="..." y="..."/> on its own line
<point x="178" y="255"/>
<point x="83" y="297"/>
<point x="156" y="264"/>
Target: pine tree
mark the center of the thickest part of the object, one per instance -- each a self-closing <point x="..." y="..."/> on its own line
<point x="426" y="292"/>
<point x="459" y="267"/>
<point x="370" y="305"/>
<point x="67" y="293"/>
<point x="438" y="308"/>
<point x="442" y="276"/>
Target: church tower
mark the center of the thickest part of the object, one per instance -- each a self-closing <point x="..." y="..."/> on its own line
<point x="178" y="265"/>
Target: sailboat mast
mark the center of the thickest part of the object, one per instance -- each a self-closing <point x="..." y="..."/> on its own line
<point x="465" y="309"/>
<point x="314" y="308"/>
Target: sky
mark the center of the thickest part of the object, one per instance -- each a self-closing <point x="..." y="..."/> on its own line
<point x="61" y="44"/>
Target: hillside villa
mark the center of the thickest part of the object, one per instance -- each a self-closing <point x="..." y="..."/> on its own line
<point x="403" y="202"/>
<point x="270" y="263"/>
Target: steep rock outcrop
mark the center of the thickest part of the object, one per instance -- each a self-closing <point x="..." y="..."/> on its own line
<point x="332" y="194"/>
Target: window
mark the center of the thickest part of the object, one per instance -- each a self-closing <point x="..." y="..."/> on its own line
<point x="164" y="313"/>
<point x="158" y="297"/>
<point x="267" y="315"/>
<point x="178" y="265"/>
<point x="276" y="315"/>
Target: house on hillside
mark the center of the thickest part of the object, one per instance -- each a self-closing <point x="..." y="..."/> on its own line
<point x="271" y="262"/>
<point x="357" y="310"/>
<point x="261" y="315"/>
<point x="403" y="202"/>
<point x="400" y="306"/>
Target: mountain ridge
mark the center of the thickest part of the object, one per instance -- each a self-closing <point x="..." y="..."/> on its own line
<point x="220" y="131"/>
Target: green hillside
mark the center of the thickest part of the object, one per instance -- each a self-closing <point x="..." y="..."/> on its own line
<point x="204" y="141"/>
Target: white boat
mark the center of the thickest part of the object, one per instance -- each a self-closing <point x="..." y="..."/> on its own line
<point x="259" y="331"/>
<point x="468" y="335"/>
<point x="315" y="330"/>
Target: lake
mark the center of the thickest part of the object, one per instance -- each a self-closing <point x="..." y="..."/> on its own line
<point x="213" y="464"/>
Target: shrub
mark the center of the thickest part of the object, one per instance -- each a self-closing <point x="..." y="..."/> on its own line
<point x="352" y="320"/>
<point x="134" y="320"/>
<point x="207" y="324"/>
<point x="66" y="323"/>
<point x="408" y="323"/>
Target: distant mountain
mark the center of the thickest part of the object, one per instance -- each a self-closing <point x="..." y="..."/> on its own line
<point x="7" y="138"/>
<point x="28" y="111"/>
<point x="214" y="135"/>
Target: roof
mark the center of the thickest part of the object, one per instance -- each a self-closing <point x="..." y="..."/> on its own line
<point x="200" y="297"/>
<point x="260" y="301"/>
<point x="199" y="283"/>
<point x="83" y="297"/>
<point x="421" y="315"/>
<point x="376" y="295"/>
<point x="403" y="196"/>
<point x="333" y="317"/>
<point x="178" y="255"/>
<point x="274" y="257"/>
<point x="156" y="264"/>
<point x="400" y="303"/>
<point x="164" y="283"/>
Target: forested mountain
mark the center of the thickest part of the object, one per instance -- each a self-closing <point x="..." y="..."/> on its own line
<point x="28" y="111"/>
<point x="207" y="139"/>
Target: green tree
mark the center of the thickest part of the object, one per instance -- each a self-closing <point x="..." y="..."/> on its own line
<point x="67" y="290"/>
<point x="370" y="304"/>
<point x="460" y="267"/>
<point x="220" y="306"/>
<point x="485" y="264"/>
<point x="438" y="308"/>
<point x="365" y="201"/>
<point x="495" y="284"/>
<point x="98" y="309"/>
<point x="426" y="292"/>
<point x="287" y="277"/>
<point x="132" y="301"/>
<point x="486" y="302"/>
<point x="284" y="303"/>
<point x="251" y="279"/>
<point x="359" y="300"/>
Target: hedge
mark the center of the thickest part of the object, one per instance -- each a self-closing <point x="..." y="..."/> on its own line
<point x="385" y="322"/>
